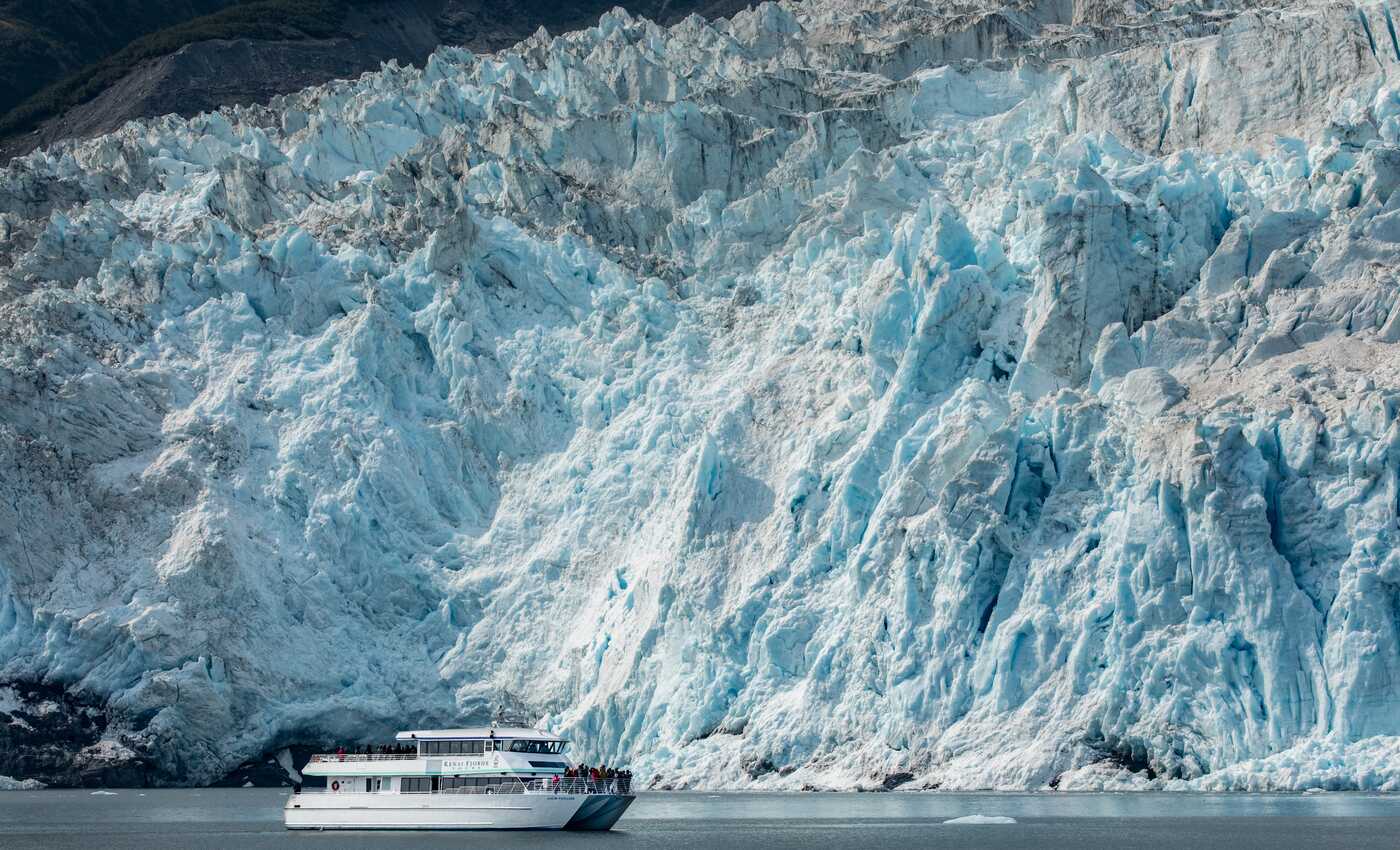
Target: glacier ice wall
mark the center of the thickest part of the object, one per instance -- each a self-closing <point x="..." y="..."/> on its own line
<point x="990" y="395"/>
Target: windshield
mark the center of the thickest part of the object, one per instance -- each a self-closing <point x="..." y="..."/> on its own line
<point x="553" y="747"/>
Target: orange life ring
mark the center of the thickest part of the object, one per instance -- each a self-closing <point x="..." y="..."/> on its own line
<point x="335" y="786"/>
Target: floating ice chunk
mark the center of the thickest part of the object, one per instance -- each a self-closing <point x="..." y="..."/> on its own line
<point x="980" y="819"/>
<point x="284" y="759"/>
<point x="104" y="793"/>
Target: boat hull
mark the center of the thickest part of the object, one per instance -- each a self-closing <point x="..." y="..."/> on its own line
<point x="600" y="811"/>
<point x="436" y="812"/>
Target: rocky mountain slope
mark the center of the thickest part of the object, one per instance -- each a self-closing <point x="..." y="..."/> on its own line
<point x="72" y="69"/>
<point x="43" y="40"/>
<point x="882" y="394"/>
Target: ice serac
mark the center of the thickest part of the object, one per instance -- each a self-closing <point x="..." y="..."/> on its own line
<point x="839" y="395"/>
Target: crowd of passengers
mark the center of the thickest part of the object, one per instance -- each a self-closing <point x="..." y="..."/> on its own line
<point x="378" y="750"/>
<point x="602" y="772"/>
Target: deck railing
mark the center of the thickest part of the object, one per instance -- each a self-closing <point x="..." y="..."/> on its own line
<point x="339" y="757"/>
<point x="548" y="785"/>
<point x="564" y="785"/>
<point x="578" y="785"/>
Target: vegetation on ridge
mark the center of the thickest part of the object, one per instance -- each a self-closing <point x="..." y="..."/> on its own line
<point x="255" y="19"/>
<point x="44" y="40"/>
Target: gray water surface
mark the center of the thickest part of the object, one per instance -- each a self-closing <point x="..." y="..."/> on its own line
<point x="251" y="818"/>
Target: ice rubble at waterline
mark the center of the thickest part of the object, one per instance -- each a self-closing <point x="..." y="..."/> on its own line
<point x="831" y="397"/>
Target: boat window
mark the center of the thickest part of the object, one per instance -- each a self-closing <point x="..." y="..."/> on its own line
<point x="474" y="748"/>
<point x="449" y="783"/>
<point x="445" y="748"/>
<point x="415" y="784"/>
<point x="536" y="746"/>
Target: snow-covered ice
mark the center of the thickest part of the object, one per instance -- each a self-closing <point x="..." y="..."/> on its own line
<point x="980" y="819"/>
<point x="844" y="395"/>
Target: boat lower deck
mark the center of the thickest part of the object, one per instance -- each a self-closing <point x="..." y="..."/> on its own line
<point x="455" y="811"/>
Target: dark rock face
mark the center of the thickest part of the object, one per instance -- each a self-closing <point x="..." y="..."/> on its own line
<point x="55" y="736"/>
<point x="483" y="25"/>
<point x="44" y="40"/>
<point x="267" y="772"/>
<point x="205" y="75"/>
<point x="69" y="740"/>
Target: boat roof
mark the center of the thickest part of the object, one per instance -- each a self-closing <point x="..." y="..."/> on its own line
<point x="475" y="732"/>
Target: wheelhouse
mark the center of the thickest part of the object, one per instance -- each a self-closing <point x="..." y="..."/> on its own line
<point x="475" y="742"/>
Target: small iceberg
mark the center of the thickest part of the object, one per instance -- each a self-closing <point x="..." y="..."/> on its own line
<point x="104" y="793"/>
<point x="981" y="819"/>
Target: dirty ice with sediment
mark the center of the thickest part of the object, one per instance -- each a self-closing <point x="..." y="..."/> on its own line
<point x="881" y="394"/>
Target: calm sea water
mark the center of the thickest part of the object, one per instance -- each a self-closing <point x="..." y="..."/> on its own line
<point x="251" y="818"/>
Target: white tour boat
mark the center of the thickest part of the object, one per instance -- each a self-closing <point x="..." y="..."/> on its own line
<point x="488" y="778"/>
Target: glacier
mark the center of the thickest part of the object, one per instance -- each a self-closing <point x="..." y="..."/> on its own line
<point x="842" y="395"/>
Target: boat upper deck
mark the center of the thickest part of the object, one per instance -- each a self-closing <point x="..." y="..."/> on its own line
<point x="456" y="752"/>
<point x="326" y="758"/>
<point x="476" y="733"/>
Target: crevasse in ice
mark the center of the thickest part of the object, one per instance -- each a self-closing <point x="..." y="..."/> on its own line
<point x="841" y="395"/>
